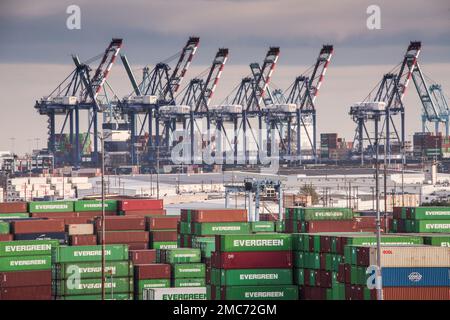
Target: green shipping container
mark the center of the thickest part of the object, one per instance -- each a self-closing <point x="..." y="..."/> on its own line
<point x="326" y="214"/>
<point x="20" y="215"/>
<point x="262" y="226"/>
<point x="116" y="252"/>
<point x="299" y="276"/>
<point x="27" y="247"/>
<point x="50" y="206"/>
<point x="182" y="255"/>
<point x="89" y="270"/>
<point x="393" y="240"/>
<point x="430" y="226"/>
<point x="165" y="245"/>
<point x="185" y="227"/>
<point x="110" y="296"/>
<point x="148" y="284"/>
<point x="260" y="293"/>
<point x="4" y="227"/>
<point x="188" y="282"/>
<point x="255" y="242"/>
<point x="92" y="286"/>
<point x="441" y="241"/>
<point x="430" y="213"/>
<point x="25" y="263"/>
<point x="213" y="228"/>
<point x="252" y="277"/>
<point x="188" y="270"/>
<point x="95" y="205"/>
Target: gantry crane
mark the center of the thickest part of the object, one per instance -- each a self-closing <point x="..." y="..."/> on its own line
<point x="385" y="107"/>
<point x="79" y="91"/>
<point x="158" y="88"/>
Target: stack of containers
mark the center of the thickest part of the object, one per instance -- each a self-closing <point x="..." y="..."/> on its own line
<point x="77" y="273"/>
<point x="252" y="267"/>
<point x="163" y="231"/>
<point x="25" y="270"/>
<point x="39" y="229"/>
<point x="187" y="269"/>
<point x="129" y="230"/>
<point x="141" y="207"/>
<point x="310" y="220"/>
<point x="13" y="210"/>
<point x="150" y="276"/>
<point x="81" y="234"/>
<point x="408" y="272"/>
<point x="422" y="219"/>
<point x="319" y="261"/>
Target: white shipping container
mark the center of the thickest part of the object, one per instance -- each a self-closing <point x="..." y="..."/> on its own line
<point x="36" y="180"/>
<point x="80" y="229"/>
<point x="19" y="181"/>
<point x="54" y="180"/>
<point x="83" y="186"/>
<point x="411" y="256"/>
<point x="79" y="179"/>
<point x="193" y="293"/>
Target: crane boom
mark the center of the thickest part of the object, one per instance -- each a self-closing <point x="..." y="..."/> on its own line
<point x="424" y="94"/>
<point x="320" y="69"/>
<point x="130" y="74"/>
<point x="265" y="74"/>
<point x="101" y="74"/>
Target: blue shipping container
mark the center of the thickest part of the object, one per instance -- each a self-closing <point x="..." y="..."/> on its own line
<point x="62" y="237"/>
<point x="415" y="277"/>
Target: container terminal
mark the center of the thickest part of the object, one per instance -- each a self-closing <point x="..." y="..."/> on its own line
<point x="164" y="193"/>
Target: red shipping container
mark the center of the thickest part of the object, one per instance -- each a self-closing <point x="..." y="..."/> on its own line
<point x="121" y="223"/>
<point x="35" y="226"/>
<point x="6" y="237"/>
<point x="27" y="293"/>
<point x="25" y="278"/>
<point x="83" y="240"/>
<point x="143" y="256"/>
<point x="77" y="220"/>
<point x="145" y="213"/>
<point x="312" y="293"/>
<point x="324" y="279"/>
<point x="219" y="215"/>
<point x="251" y="260"/>
<point x="94" y="214"/>
<point x="140" y="204"/>
<point x="325" y="244"/>
<point x="268" y="217"/>
<point x="152" y="271"/>
<point x="416" y="293"/>
<point x="116" y="237"/>
<point x="137" y="245"/>
<point x="54" y="214"/>
<point x="163" y="222"/>
<point x="163" y="235"/>
<point x="13" y="207"/>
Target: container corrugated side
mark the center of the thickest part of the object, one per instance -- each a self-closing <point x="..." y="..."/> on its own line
<point x="88" y="270"/>
<point x="24" y="263"/>
<point x="420" y="256"/>
<point x="89" y="253"/>
<point x="251" y="277"/>
<point x="254" y="242"/>
<point x="260" y="293"/>
<point x="27" y="247"/>
<point x="50" y="206"/>
<point x="415" y="277"/>
<point x="95" y="205"/>
<point x="416" y="293"/>
<point x="195" y="293"/>
<point x="92" y="286"/>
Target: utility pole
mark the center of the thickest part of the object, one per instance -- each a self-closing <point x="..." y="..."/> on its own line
<point x="102" y="138"/>
<point x="378" y="282"/>
<point x="157" y="172"/>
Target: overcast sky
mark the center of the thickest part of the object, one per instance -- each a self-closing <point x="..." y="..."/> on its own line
<point x="36" y="46"/>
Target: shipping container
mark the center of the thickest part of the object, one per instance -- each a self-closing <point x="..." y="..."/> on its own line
<point x="50" y="206"/>
<point x="4" y="227"/>
<point x="80" y="229"/>
<point x="152" y="271"/>
<point x="109" y="296"/>
<point x="14" y="216"/>
<point x="140" y="204"/>
<point x="117" y="237"/>
<point x="181" y="255"/>
<point x="121" y="223"/>
<point x="188" y="270"/>
<point x="142" y="256"/>
<point x="88" y="270"/>
<point x="165" y="245"/>
<point x="13" y="207"/>
<point x="83" y="240"/>
<point x="92" y="286"/>
<point x="162" y="222"/>
<point x="196" y="293"/>
<point x="65" y="254"/>
<point x="251" y="277"/>
<point x="251" y="260"/>
<point x="416" y="293"/>
<point x="163" y="235"/>
<point x="25" y="278"/>
<point x="27" y="248"/>
<point x="437" y="240"/>
<point x="218" y="215"/>
<point x="429" y="213"/>
<point x="415" y="277"/>
<point x="140" y="285"/>
<point x="205" y="229"/>
<point x="430" y="225"/>
<point x="26" y="293"/>
<point x="61" y="237"/>
<point x="262" y="226"/>
<point x="25" y="263"/>
<point x="259" y="292"/>
<point x="188" y="282"/>
<point x="254" y="242"/>
<point x="34" y="226"/>
<point x="95" y="205"/>
<point x="143" y="213"/>
<point x="6" y="237"/>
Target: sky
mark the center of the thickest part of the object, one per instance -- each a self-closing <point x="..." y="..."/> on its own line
<point x="36" y="48"/>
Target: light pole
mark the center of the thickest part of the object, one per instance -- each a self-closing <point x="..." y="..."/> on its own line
<point x="378" y="282"/>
